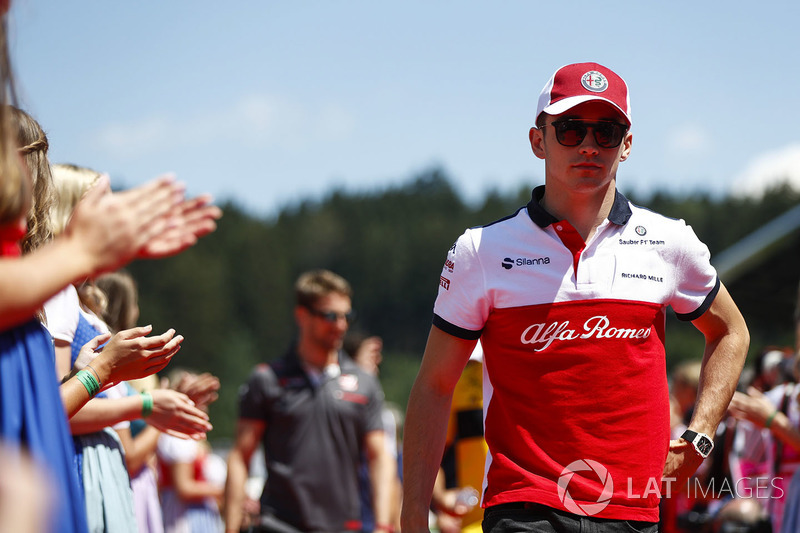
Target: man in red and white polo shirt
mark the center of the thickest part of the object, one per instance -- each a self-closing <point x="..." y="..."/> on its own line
<point x="568" y="296"/>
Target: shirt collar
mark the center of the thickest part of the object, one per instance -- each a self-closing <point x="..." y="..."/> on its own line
<point x="619" y="215"/>
<point x="318" y="377"/>
<point x="315" y="376"/>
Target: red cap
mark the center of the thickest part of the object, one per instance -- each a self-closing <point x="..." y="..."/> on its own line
<point x="582" y="82"/>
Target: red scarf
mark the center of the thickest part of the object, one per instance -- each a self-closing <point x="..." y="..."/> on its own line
<point x="10" y="235"/>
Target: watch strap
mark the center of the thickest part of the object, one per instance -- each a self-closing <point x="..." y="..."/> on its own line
<point x="692" y="437"/>
<point x="689" y="435"/>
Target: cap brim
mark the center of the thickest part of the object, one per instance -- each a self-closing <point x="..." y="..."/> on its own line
<point x="565" y="104"/>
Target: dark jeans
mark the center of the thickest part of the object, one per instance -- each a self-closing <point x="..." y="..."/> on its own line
<point x="270" y="524"/>
<point x="523" y="517"/>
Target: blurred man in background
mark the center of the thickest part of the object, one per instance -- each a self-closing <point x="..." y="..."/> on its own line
<point x="315" y="411"/>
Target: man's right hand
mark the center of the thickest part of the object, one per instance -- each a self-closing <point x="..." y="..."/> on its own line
<point x="682" y="462"/>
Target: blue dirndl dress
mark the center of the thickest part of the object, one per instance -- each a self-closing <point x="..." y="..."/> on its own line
<point x="100" y="466"/>
<point x="32" y="417"/>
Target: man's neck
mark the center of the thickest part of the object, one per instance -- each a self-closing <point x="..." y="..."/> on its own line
<point x="584" y="211"/>
<point x="312" y="355"/>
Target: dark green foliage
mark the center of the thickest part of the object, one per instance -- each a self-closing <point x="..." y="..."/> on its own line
<point x="398" y="372"/>
<point x="231" y="295"/>
<point x="720" y="222"/>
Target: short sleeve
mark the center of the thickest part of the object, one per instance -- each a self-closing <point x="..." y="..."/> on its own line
<point x="373" y="418"/>
<point x="390" y="430"/>
<point x="697" y="282"/>
<point x="61" y="313"/>
<point x="462" y="305"/>
<point x="257" y="395"/>
<point x="173" y="450"/>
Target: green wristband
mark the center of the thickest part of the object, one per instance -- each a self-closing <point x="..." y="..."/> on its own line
<point x="147" y="404"/>
<point x="768" y="423"/>
<point x="88" y="381"/>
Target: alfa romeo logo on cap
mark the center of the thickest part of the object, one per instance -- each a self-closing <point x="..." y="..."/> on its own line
<point x="594" y="81"/>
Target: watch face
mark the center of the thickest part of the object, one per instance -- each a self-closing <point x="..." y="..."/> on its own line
<point x="704" y="446"/>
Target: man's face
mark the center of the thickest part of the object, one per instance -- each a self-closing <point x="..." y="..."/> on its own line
<point x="325" y="323"/>
<point x="587" y="166"/>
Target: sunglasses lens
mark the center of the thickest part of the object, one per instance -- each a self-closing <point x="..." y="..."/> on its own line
<point x="333" y="316"/>
<point x="608" y="135"/>
<point x="329" y="316"/>
<point x="570" y="133"/>
<point x="573" y="132"/>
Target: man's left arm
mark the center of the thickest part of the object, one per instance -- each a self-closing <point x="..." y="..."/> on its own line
<point x="727" y="340"/>
<point x="382" y="470"/>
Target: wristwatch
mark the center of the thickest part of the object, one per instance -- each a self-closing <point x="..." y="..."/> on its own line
<point x="702" y="443"/>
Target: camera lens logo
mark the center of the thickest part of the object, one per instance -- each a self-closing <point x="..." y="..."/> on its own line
<point x="585" y="509"/>
<point x="507" y="263"/>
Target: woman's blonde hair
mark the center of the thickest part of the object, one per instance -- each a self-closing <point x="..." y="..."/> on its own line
<point x="15" y="186"/>
<point x="32" y="146"/>
<point x="15" y="189"/>
<point x="70" y="183"/>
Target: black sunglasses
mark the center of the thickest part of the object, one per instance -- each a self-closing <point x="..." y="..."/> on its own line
<point x="333" y="316"/>
<point x="572" y="131"/>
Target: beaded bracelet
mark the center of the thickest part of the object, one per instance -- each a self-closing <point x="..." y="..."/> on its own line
<point x="147" y="404"/>
<point x="88" y="381"/>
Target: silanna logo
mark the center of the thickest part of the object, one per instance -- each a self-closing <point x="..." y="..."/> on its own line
<point x="509" y="263"/>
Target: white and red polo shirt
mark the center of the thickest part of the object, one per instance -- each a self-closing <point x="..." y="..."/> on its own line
<point x="573" y="340"/>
